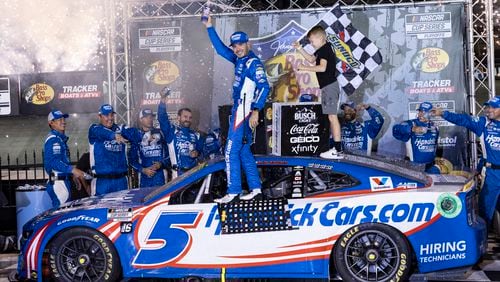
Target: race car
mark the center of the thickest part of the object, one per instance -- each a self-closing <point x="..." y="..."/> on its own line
<point x="360" y="218"/>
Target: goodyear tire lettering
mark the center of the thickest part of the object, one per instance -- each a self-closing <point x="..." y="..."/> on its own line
<point x="348" y="247"/>
<point x="60" y="270"/>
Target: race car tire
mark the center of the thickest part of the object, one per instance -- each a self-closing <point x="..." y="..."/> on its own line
<point x="82" y="254"/>
<point x="372" y="252"/>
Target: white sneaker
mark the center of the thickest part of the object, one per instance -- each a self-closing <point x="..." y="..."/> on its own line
<point x="254" y="194"/>
<point x="226" y="199"/>
<point x="332" y="154"/>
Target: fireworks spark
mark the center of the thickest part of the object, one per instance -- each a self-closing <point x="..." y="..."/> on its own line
<point x="50" y="35"/>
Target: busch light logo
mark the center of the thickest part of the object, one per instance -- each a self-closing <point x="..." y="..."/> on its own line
<point x="305" y="116"/>
<point x="447" y="142"/>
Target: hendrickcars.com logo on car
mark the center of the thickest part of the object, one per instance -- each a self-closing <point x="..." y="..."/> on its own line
<point x="335" y="213"/>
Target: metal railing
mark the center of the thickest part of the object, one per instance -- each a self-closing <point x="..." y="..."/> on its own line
<point x="26" y="169"/>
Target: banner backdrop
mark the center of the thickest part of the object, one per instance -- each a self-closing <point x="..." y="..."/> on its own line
<point x="423" y="60"/>
<point x="70" y="92"/>
<point x="174" y="54"/>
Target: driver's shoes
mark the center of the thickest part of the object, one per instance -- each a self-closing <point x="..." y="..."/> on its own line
<point x="227" y="199"/>
<point x="255" y="194"/>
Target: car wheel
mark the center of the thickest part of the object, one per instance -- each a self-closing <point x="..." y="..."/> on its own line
<point x="82" y="254"/>
<point x="372" y="252"/>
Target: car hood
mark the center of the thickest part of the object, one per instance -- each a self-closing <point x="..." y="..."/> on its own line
<point x="121" y="199"/>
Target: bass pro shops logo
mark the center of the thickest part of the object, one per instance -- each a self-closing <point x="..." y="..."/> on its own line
<point x="38" y="94"/>
<point x="430" y="60"/>
<point x="161" y="72"/>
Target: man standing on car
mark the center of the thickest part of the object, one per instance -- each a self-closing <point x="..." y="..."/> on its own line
<point x="356" y="135"/>
<point x="250" y="90"/>
<point x="184" y="144"/>
<point x="108" y="158"/>
<point x="149" y="157"/>
<point x="421" y="137"/>
<point x="56" y="160"/>
<point x="488" y="129"/>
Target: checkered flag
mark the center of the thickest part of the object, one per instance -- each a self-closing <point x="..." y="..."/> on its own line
<point x="357" y="56"/>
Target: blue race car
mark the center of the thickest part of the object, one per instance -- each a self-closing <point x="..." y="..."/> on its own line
<point x="360" y="218"/>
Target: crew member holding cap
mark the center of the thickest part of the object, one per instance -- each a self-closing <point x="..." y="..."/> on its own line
<point x="356" y="135"/>
<point x="250" y="90"/>
<point x="488" y="129"/>
<point x="149" y="157"/>
<point x="421" y="137"/>
<point x="56" y="160"/>
<point x="108" y="158"/>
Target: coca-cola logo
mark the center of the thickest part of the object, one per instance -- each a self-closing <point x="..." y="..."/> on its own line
<point x="312" y="128"/>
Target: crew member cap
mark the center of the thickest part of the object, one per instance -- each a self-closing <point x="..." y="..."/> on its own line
<point x="106" y="109"/>
<point x="425" y="107"/>
<point x="350" y="105"/>
<point x="145" y="113"/>
<point x="56" y="114"/>
<point x="494" y="103"/>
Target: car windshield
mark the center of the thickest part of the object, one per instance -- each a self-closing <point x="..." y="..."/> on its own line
<point x="167" y="186"/>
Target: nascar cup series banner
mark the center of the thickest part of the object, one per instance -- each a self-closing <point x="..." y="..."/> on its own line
<point x="174" y="54"/>
<point x="70" y="92"/>
<point x="422" y="50"/>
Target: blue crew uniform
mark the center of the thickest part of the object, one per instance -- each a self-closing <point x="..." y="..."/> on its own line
<point x="211" y="145"/>
<point x="489" y="132"/>
<point x="182" y="139"/>
<point x="58" y="166"/>
<point x="108" y="158"/>
<point x="250" y="90"/>
<point x="420" y="148"/>
<point x="151" y="149"/>
<point x="359" y="135"/>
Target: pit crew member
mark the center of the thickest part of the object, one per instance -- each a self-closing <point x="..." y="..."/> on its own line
<point x="149" y="157"/>
<point x="358" y="135"/>
<point x="56" y="160"/>
<point x="421" y="137"/>
<point x="184" y="144"/>
<point x="108" y="156"/>
<point x="488" y="129"/>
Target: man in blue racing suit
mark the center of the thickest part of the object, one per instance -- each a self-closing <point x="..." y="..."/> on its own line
<point x="149" y="157"/>
<point x="108" y="156"/>
<point x="356" y="135"/>
<point x="421" y="137"/>
<point x="488" y="129"/>
<point x="250" y="90"/>
<point x="56" y="160"/>
<point x="212" y="144"/>
<point x="184" y="144"/>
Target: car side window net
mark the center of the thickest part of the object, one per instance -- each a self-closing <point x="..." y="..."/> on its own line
<point x="322" y="180"/>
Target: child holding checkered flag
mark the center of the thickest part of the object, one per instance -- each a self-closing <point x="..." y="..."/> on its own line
<point x="325" y="60"/>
